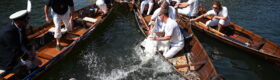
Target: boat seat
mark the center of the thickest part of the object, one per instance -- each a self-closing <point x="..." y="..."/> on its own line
<point x="45" y="56"/>
<point x="63" y="30"/>
<point x="71" y="36"/>
<point x="10" y="76"/>
<point x="89" y="19"/>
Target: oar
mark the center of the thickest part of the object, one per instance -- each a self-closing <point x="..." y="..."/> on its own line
<point x="203" y="26"/>
<point x="189" y="65"/>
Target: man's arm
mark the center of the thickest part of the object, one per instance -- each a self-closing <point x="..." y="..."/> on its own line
<point x="71" y="5"/>
<point x="224" y="14"/>
<point x="182" y="5"/>
<point x="161" y="38"/>
<point x="72" y="9"/>
<point x="46" y="10"/>
<point x="199" y="17"/>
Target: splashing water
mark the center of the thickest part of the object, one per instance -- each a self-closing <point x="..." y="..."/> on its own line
<point x="149" y="63"/>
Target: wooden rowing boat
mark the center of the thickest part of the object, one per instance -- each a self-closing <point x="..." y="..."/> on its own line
<point x="241" y="38"/>
<point x="85" y="20"/>
<point x="192" y="62"/>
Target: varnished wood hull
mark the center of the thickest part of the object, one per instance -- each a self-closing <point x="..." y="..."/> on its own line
<point x="47" y="53"/>
<point x="258" y="45"/>
<point x="199" y="63"/>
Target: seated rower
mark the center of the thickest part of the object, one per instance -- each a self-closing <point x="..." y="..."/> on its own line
<point x="220" y="16"/>
<point x="145" y="2"/>
<point x="172" y="33"/>
<point x="13" y="43"/>
<point x="102" y="5"/>
<point x="189" y="9"/>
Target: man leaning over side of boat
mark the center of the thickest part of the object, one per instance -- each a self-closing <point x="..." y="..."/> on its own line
<point x="172" y="38"/>
<point x="172" y="33"/>
<point x="13" y="46"/>
<point x="220" y="16"/>
<point x="60" y="12"/>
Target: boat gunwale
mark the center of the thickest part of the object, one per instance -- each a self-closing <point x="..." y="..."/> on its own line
<point x="266" y="55"/>
<point x="35" y="73"/>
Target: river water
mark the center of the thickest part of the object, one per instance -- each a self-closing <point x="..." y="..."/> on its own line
<point x="111" y="52"/>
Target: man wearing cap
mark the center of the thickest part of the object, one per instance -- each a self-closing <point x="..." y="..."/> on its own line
<point x="13" y="41"/>
<point x="172" y="33"/>
<point x="60" y="12"/>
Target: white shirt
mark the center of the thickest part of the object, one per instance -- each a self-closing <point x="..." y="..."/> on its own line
<point x="158" y="28"/>
<point x="172" y="29"/>
<point x="193" y="7"/>
<point x="171" y="13"/>
<point x="100" y="2"/>
<point x="223" y="13"/>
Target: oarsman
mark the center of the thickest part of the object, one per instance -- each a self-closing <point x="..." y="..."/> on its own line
<point x="220" y="16"/>
<point x="60" y="12"/>
<point x="189" y="9"/>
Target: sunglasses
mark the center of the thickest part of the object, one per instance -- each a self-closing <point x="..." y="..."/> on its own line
<point x="215" y="7"/>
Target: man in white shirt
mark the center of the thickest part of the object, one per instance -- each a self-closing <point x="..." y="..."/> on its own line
<point x="172" y="33"/>
<point x="220" y="13"/>
<point x="156" y="21"/>
<point x="165" y="5"/>
<point x="143" y="3"/>
<point x="189" y="8"/>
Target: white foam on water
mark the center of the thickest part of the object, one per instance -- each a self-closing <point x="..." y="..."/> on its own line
<point x="117" y="73"/>
<point x="158" y="63"/>
<point x="94" y="65"/>
<point x="144" y="57"/>
<point x="170" y="77"/>
<point x="90" y="60"/>
<point x="158" y="66"/>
